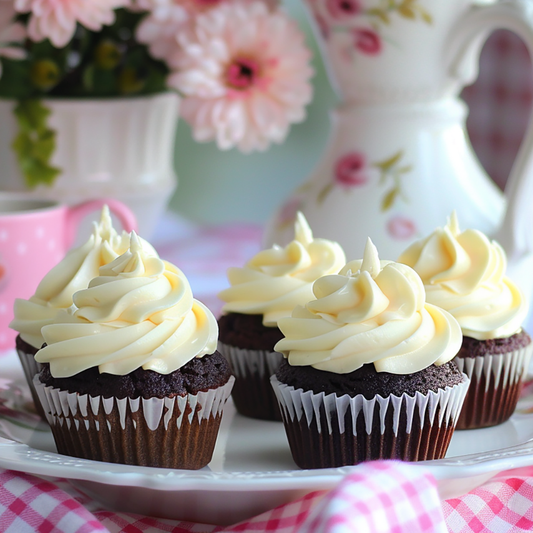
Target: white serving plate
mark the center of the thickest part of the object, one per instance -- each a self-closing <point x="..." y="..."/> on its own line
<point x="251" y="471"/>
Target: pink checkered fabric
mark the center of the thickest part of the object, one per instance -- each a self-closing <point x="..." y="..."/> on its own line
<point x="29" y="504"/>
<point x="287" y="518"/>
<point x="380" y="497"/>
<point x="504" y="504"/>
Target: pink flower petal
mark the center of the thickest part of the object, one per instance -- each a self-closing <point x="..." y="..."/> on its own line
<point x="253" y="62"/>
<point x="57" y="19"/>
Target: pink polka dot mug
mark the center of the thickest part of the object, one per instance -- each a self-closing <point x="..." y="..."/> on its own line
<point x="34" y="236"/>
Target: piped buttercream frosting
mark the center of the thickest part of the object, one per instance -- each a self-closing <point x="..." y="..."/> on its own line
<point x="138" y="313"/>
<point x="275" y="280"/>
<point x="371" y="312"/>
<point x="464" y="273"/>
<point x="73" y="273"/>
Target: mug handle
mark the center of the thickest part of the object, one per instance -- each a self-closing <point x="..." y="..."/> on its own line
<point x="77" y="212"/>
<point x="516" y="231"/>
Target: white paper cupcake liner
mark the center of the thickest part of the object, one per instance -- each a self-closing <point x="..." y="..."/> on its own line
<point x="31" y="368"/>
<point x="495" y="365"/>
<point x="396" y="427"/>
<point x="496" y="380"/>
<point x="109" y="429"/>
<point x="252" y="394"/>
<point x="297" y="403"/>
<point x="244" y="362"/>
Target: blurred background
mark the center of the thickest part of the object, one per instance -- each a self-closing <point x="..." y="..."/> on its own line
<point x="216" y="186"/>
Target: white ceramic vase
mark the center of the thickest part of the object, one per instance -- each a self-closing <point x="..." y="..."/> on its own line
<point x="122" y="148"/>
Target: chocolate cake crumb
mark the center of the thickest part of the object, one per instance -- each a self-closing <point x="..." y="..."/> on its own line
<point x="474" y="348"/>
<point x="199" y="374"/>
<point x="368" y="382"/>
<point x="24" y="347"/>
<point x="247" y="332"/>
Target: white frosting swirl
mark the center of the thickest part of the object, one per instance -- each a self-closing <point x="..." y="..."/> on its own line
<point x="274" y="281"/>
<point x="371" y="312"/>
<point x="464" y="273"/>
<point x="139" y="313"/>
<point x="73" y="273"/>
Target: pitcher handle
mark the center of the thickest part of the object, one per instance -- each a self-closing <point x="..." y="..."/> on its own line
<point x="516" y="231"/>
<point x="77" y="212"/>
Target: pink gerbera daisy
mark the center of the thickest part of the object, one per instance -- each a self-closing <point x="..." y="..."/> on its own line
<point x="10" y="33"/>
<point x="245" y="72"/>
<point x="168" y="18"/>
<point x="158" y="30"/>
<point x="57" y="19"/>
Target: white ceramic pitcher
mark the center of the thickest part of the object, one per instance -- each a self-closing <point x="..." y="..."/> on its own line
<point x="399" y="161"/>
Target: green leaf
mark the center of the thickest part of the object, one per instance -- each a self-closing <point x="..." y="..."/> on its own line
<point x="380" y="14"/>
<point x="391" y="161"/>
<point x="37" y="173"/>
<point x="105" y="83"/>
<point x="389" y="199"/>
<point x="15" y="80"/>
<point x="426" y="17"/>
<point x="45" y="148"/>
<point x="88" y="78"/>
<point x="22" y="143"/>
<point x="407" y="12"/>
<point x="405" y="169"/>
<point x="32" y="115"/>
<point x="78" y="76"/>
<point x="35" y="143"/>
<point x="323" y="194"/>
<point x="43" y="49"/>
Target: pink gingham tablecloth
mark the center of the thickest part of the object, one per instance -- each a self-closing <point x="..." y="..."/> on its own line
<point x="385" y="496"/>
<point x="380" y="497"/>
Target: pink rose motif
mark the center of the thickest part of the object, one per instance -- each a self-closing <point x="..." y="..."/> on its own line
<point x="349" y="170"/>
<point x="340" y="9"/>
<point x="367" y="41"/>
<point x="401" y="228"/>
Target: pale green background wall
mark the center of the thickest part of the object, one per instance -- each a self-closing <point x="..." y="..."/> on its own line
<point x="217" y="186"/>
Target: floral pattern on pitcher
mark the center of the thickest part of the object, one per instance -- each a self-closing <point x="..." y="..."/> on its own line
<point x="352" y="171"/>
<point x="363" y="24"/>
<point x="391" y="172"/>
<point x="401" y="228"/>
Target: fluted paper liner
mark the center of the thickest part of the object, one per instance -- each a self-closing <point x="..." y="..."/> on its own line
<point x="252" y="394"/>
<point x="31" y="368"/>
<point x="173" y="432"/>
<point x="326" y="430"/>
<point x="495" y="385"/>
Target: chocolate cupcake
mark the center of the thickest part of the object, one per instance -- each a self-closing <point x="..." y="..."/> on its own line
<point x="271" y="284"/>
<point x="464" y="273"/>
<point x="367" y="373"/>
<point x="131" y="371"/>
<point x="55" y="291"/>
